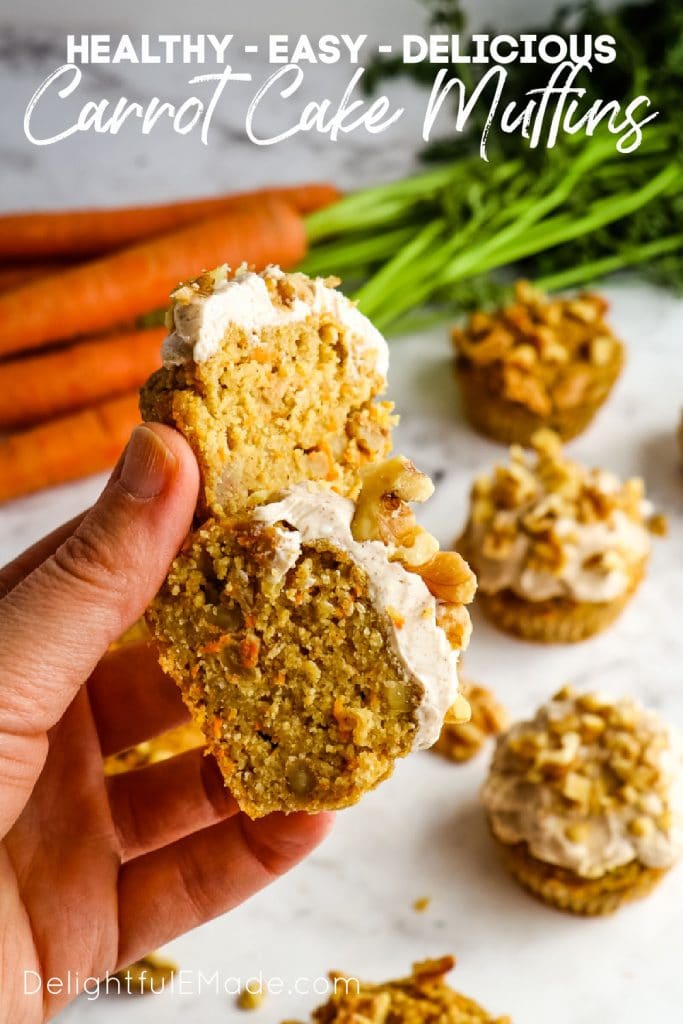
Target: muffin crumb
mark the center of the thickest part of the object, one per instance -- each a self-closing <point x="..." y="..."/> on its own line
<point x="250" y="998"/>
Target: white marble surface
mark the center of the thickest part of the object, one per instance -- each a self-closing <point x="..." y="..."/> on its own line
<point x="422" y="833"/>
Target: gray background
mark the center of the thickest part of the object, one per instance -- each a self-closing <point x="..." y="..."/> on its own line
<point x="388" y="17"/>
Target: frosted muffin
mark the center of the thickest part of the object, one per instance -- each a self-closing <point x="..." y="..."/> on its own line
<point x="536" y="363"/>
<point x="273" y="378"/>
<point x="423" y="997"/>
<point x="315" y="639"/>
<point x="586" y="801"/>
<point x="558" y="549"/>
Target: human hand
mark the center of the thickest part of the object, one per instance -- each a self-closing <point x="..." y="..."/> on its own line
<point x="96" y="872"/>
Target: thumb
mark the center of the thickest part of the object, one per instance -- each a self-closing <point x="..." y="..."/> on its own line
<point x="57" y="623"/>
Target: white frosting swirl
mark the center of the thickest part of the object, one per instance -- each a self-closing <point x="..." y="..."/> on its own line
<point x="577" y="577"/>
<point x="200" y="320"/>
<point x="557" y="529"/>
<point x="420" y="644"/>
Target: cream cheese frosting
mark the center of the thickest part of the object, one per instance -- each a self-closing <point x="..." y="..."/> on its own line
<point x="201" y="314"/>
<point x="586" y="811"/>
<point x="420" y="644"/>
<point x="577" y="577"/>
<point x="557" y="529"/>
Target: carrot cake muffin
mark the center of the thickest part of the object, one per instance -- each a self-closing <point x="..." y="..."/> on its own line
<point x="422" y="998"/>
<point x="461" y="741"/>
<point x="558" y="549"/>
<point x="586" y="801"/>
<point x="536" y="363"/>
<point x="273" y="378"/>
<point x="315" y="639"/>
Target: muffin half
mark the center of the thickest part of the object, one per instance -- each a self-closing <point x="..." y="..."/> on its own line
<point x="315" y="640"/>
<point x="273" y="378"/>
<point x="585" y="801"/>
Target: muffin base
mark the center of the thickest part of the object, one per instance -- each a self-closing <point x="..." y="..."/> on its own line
<point x="565" y="890"/>
<point x="558" y="620"/>
<point x="512" y="423"/>
<point x="291" y="678"/>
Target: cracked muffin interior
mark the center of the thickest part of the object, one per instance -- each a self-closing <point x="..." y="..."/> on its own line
<point x="273" y="378"/>
<point x="315" y="640"/>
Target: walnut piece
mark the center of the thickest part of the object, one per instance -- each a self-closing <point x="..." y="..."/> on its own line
<point x="448" y="577"/>
<point x="382" y="512"/>
<point x="150" y="974"/>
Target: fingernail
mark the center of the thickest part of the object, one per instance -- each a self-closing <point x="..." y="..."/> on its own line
<point x="147" y="465"/>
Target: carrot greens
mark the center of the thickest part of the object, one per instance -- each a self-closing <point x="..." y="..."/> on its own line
<point x="565" y="216"/>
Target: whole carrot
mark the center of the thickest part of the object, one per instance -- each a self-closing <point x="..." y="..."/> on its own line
<point x="67" y="448"/>
<point x="94" y="296"/>
<point x="18" y="274"/>
<point x="92" y="232"/>
<point x="53" y="383"/>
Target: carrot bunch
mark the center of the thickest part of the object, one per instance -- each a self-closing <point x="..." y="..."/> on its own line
<point x="69" y="370"/>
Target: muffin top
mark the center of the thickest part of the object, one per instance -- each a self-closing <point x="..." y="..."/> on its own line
<point x="590" y="783"/>
<point x="545" y="527"/>
<point x="202" y="309"/>
<point x="545" y="354"/>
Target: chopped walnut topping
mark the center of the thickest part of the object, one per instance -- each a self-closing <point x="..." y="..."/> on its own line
<point x="541" y="498"/>
<point x="251" y="997"/>
<point x="520" y="385"/>
<point x="658" y="525"/>
<point x="382" y="513"/>
<point x="595" y="755"/>
<point x="150" y="974"/>
<point x="577" y="832"/>
<point x="542" y="353"/>
<point x="455" y="621"/>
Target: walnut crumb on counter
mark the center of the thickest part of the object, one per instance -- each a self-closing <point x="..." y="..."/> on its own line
<point x="461" y="742"/>
<point x="250" y="998"/>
